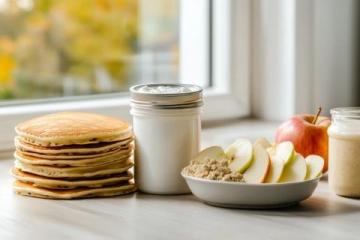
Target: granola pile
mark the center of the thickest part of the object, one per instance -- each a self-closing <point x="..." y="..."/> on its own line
<point x="213" y="170"/>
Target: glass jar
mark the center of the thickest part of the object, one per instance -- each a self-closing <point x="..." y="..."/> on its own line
<point x="167" y="126"/>
<point x="344" y="151"/>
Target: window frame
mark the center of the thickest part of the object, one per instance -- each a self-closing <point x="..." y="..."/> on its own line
<point x="226" y="63"/>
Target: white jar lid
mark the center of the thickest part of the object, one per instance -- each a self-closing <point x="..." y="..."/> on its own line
<point x="167" y="96"/>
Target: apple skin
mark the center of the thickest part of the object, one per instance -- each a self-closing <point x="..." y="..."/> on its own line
<point x="307" y="138"/>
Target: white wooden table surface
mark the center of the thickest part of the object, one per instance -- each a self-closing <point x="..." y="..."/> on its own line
<point x="324" y="216"/>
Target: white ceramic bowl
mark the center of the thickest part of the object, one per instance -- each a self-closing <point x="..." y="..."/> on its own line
<point x="247" y="195"/>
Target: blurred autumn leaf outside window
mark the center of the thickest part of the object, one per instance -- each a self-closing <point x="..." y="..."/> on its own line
<point x="52" y="48"/>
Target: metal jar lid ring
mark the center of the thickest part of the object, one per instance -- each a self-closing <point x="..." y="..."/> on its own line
<point x="166" y="96"/>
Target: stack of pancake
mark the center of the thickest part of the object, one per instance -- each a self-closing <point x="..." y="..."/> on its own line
<point x="73" y="155"/>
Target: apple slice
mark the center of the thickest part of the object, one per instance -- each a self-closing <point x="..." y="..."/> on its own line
<point x="263" y="142"/>
<point x="214" y="152"/>
<point x="259" y="167"/>
<point x="271" y="150"/>
<point x="285" y="151"/>
<point x="315" y="165"/>
<point x="295" y="170"/>
<point x="240" y="155"/>
<point x="275" y="170"/>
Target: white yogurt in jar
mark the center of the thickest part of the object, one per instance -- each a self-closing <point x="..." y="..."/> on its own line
<point x="166" y="123"/>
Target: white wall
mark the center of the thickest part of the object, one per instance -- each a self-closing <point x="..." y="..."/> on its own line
<point x="272" y="58"/>
<point x="336" y="45"/>
<point x="303" y="56"/>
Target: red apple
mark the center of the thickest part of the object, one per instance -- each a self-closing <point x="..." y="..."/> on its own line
<point x="308" y="137"/>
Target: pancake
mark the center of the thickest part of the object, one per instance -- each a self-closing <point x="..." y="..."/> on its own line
<point x="73" y="155"/>
<point x="127" y="148"/>
<point x="75" y="172"/>
<point x="118" y="157"/>
<point x="28" y="189"/>
<point x="44" y="182"/>
<point x="67" y="128"/>
<point x="77" y="157"/>
<point x="96" y="148"/>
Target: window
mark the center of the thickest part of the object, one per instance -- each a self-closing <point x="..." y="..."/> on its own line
<point x="71" y="48"/>
<point x="83" y="55"/>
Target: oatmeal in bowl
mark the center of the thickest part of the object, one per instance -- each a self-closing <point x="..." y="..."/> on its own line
<point x="212" y="169"/>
